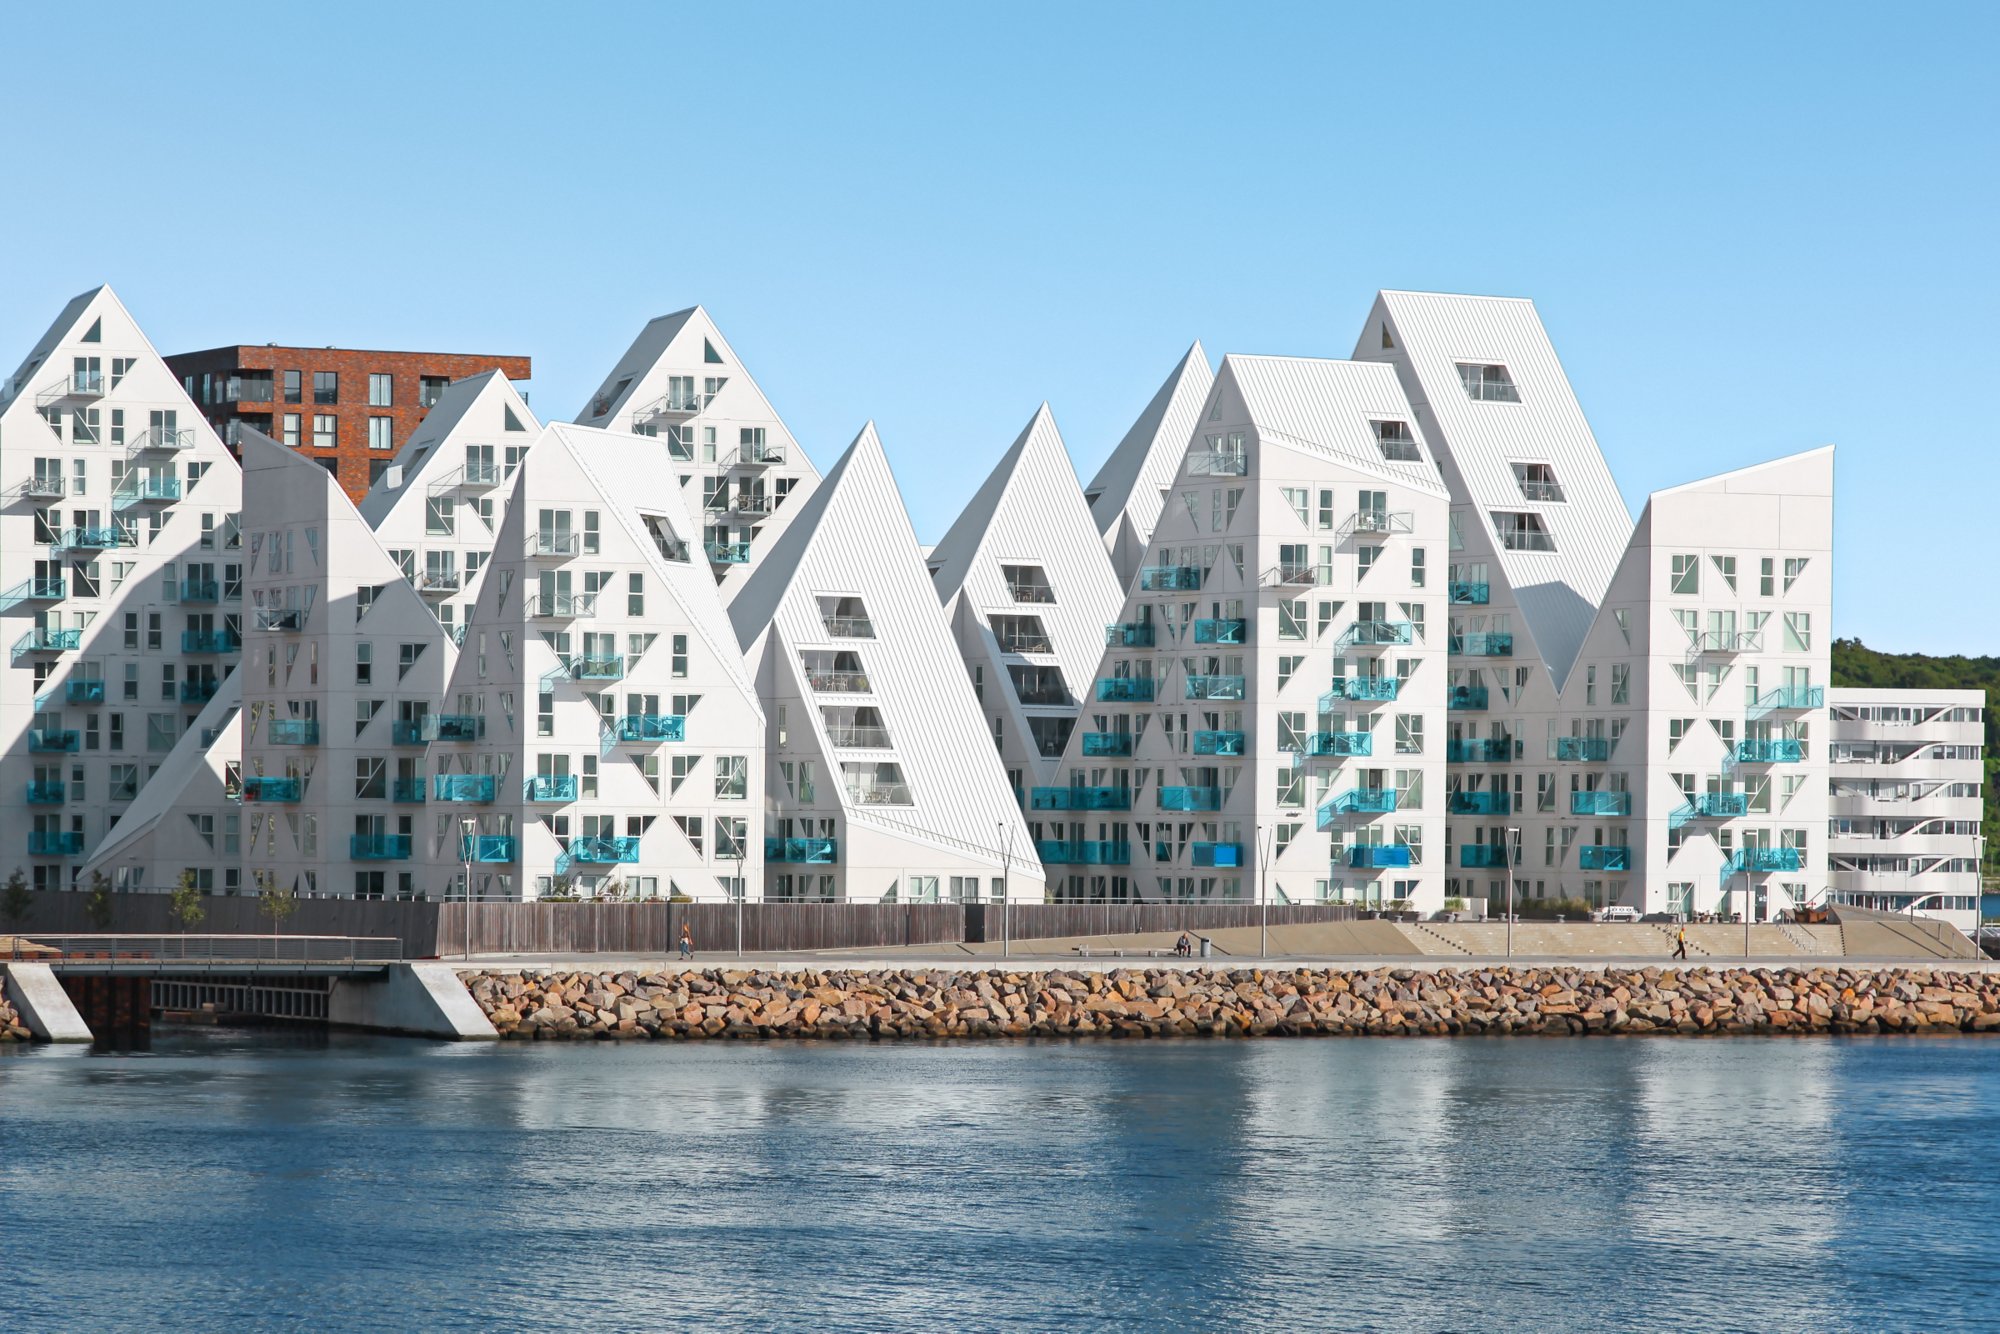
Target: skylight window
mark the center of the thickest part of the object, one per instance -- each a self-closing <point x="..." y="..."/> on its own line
<point x="1522" y="532"/>
<point x="1395" y="441"/>
<point x="1538" y="483"/>
<point x="1487" y="383"/>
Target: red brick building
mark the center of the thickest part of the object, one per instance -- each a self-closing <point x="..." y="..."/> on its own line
<point x="349" y="409"/>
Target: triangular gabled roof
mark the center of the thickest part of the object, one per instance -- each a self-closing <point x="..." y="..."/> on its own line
<point x="470" y="411"/>
<point x="1325" y="406"/>
<point x="1128" y="483"/>
<point x="58" y="331"/>
<point x="190" y="777"/>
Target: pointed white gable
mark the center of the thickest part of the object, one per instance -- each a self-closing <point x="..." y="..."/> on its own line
<point x="157" y="836"/>
<point x="1125" y="495"/>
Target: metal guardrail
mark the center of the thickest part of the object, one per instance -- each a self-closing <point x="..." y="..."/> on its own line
<point x="350" y="951"/>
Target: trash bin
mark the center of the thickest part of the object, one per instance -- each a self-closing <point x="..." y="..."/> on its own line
<point x="1204" y="945"/>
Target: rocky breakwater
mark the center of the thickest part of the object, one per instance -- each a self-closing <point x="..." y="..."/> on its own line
<point x="1171" y="1002"/>
<point x="11" y="1027"/>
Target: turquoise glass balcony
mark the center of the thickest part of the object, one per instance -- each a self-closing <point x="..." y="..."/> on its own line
<point x="1125" y="690"/>
<point x="1479" y="750"/>
<point x="208" y="641"/>
<point x="96" y="539"/>
<point x="1482" y="646"/>
<point x="200" y="590"/>
<point x="54" y="843"/>
<point x="1214" y="687"/>
<point x="802" y="851"/>
<point x="1777" y="750"/>
<point x="200" y="690"/>
<point x="604" y="851"/>
<point x="1760" y="861"/>
<point x="1465" y="593"/>
<point x="33" y="590"/>
<point x="1221" y="632"/>
<point x="1788" y="699"/>
<point x="1107" y="743"/>
<point x="1341" y="743"/>
<point x="1600" y="803"/>
<point x="1465" y="698"/>
<point x="1604" y="857"/>
<point x="1365" y="633"/>
<point x="408" y="791"/>
<point x="83" y="692"/>
<point x="1190" y="798"/>
<point x="407" y="732"/>
<point x="1080" y="799"/>
<point x="1481" y="856"/>
<point x="1217" y="854"/>
<point x="270" y="789"/>
<point x="1721" y="805"/>
<point x="597" y="669"/>
<point x="378" y="847"/>
<point x="1483" y="802"/>
<point x="48" y="793"/>
<point x="294" y="732"/>
<point x="652" y="727"/>
<point x="489" y="848"/>
<point x="462" y="787"/>
<point x="52" y="740"/>
<point x="1378" y="856"/>
<point x="1170" y="578"/>
<point x="727" y="553"/>
<point x="1370" y="688"/>
<point x="1218" y="743"/>
<point x="1362" y="801"/>
<point x="1583" y="749"/>
<point x="41" y="639"/>
<point x="552" y="787"/>
<point x="146" y="490"/>
<point x="1129" y="634"/>
<point x="457" y="726"/>
<point x="1084" y="852"/>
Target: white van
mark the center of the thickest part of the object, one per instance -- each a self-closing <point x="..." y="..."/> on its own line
<point x="1617" y="912"/>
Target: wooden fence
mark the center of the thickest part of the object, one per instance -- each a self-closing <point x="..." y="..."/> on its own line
<point x="1049" y="921"/>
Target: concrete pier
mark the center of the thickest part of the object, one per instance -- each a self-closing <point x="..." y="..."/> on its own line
<point x="43" y="1004"/>
<point x="420" y="999"/>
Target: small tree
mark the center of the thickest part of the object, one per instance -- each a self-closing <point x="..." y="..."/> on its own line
<point x="276" y="902"/>
<point x="14" y="904"/>
<point x="185" y="906"/>
<point x="97" y="904"/>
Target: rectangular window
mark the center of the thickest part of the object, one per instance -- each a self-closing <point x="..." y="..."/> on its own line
<point x="1292" y="619"/>
<point x="1538" y="483"/>
<point x="326" y="430"/>
<point x="1798" y="630"/>
<point x="290" y="430"/>
<point x="1685" y="576"/>
<point x="1485" y="383"/>
<point x="680" y="655"/>
<point x="381" y="390"/>
<point x="1409" y="734"/>
<point x="293" y="392"/>
<point x="1794" y="567"/>
<point x="635" y="595"/>
<point x="1416" y="567"/>
<point x="732" y="777"/>
<point x="379" y="429"/>
<point x="326" y="387"/>
<point x="1522" y="532"/>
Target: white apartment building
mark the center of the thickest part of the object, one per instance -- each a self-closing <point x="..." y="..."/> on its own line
<point x="119" y="534"/>
<point x="601" y="735"/>
<point x="883" y="785"/>
<point x="1268" y="718"/>
<point x="1028" y="589"/>
<point x="681" y="383"/>
<point x="437" y="508"/>
<point x="1906" y="777"/>
<point x="189" y="815"/>
<point x="1131" y="486"/>
<point x="343" y="668"/>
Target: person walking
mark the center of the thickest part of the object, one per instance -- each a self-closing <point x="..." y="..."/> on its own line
<point x="687" y="942"/>
<point x="1681" y="943"/>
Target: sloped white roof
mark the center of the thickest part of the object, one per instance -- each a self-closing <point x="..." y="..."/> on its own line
<point x="58" y="330"/>
<point x="178" y="780"/>
<point x="1129" y="482"/>
<point x="1329" y="407"/>
<point x="470" y="411"/>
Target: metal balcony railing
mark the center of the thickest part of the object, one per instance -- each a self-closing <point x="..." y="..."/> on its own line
<point x="1367" y="633"/>
<point x="562" y="606"/>
<point x="651" y="727"/>
<point x="1345" y="744"/>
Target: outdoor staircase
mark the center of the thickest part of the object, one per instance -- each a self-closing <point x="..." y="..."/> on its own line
<point x="1669" y="931"/>
<point x="1429" y="934"/>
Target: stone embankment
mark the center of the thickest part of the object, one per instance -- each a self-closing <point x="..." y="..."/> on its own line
<point x="11" y="1027"/>
<point x="1241" y="1002"/>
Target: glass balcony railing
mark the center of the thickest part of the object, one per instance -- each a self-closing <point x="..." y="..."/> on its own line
<point x="1213" y="687"/>
<point x="802" y="851"/>
<point x="1170" y="578"/>
<point x="208" y="641"/>
<point x="477" y="788"/>
<point x="85" y="692"/>
<point x="839" y="683"/>
<point x="1218" y="743"/>
<point x="502" y="848"/>
<point x="1218" y="463"/>
<point x="34" y="590"/>
<point x="848" y="627"/>
<point x="1221" y="631"/>
<point x="1600" y="803"/>
<point x="54" y="740"/>
<point x="1190" y="798"/>
<point x="558" y="545"/>
<point x="146" y="490"/>
<point x="1363" y="801"/>
<point x="1583" y="749"/>
<point x="1465" y="698"/>
<point x="41" y="639"/>
<point x="879" y="794"/>
<point x="1358" y="688"/>
<point x="1479" y="750"/>
<point x="1217" y="854"/>
<point x="294" y="732"/>
<point x="1366" y="633"/>
<point x="551" y="787"/>
<point x="1080" y="799"/>
<point x="597" y="669"/>
<point x="1481" y="856"/>
<point x="1468" y="593"/>
<point x="1482" y="802"/>
<point x="562" y="606"/>
<point x="270" y="789"/>
<point x="727" y="553"/>
<point x="200" y="590"/>
<point x="456" y="726"/>
<point x="1482" y="646"/>
<point x="407" y="732"/>
<point x="857" y="736"/>
<point x="53" y="793"/>
<point x="1129" y="634"/>
<point x="604" y="851"/>
<point x="1604" y="857"/>
<point x="1776" y="750"/>
<point x="200" y="690"/>
<point x="1721" y="805"/>
<point x="1125" y="690"/>
<point x="1378" y="857"/>
<point x="96" y="539"/>
<point x="1107" y="743"/>
<point x="1789" y="699"/>
<point x="54" y="843"/>
<point x="1084" y="852"/>
<point x="1762" y="861"/>
<point x="1341" y="743"/>
<point x="378" y="847"/>
<point x="409" y="791"/>
<point x="652" y="727"/>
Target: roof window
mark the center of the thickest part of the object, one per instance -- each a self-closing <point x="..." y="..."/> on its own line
<point x="1538" y="483"/>
<point x="1396" y="441"/>
<point x="1522" y="532"/>
<point x="1487" y="383"/>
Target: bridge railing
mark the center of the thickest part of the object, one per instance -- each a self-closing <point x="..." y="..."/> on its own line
<point x="218" y="949"/>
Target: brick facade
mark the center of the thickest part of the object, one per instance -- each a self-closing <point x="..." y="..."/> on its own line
<point x="228" y="385"/>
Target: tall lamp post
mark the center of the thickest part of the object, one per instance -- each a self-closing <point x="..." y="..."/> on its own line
<point x="466" y="827"/>
<point x="1513" y="858"/>
<point x="742" y="889"/>
<point x="1263" y="854"/>
<point x="1004" y="833"/>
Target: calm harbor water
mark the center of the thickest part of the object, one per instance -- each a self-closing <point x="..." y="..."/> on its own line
<point x="232" y="1179"/>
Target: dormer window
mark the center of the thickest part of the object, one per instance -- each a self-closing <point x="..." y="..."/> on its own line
<point x="1027" y="583"/>
<point x="1522" y="532"/>
<point x="1397" y="443"/>
<point x="1021" y="634"/>
<point x="846" y="618"/>
<point x="1487" y="383"/>
<point x="1538" y="483"/>
<point x="669" y="545"/>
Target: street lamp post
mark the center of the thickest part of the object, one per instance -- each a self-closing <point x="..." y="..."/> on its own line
<point x="742" y="890"/>
<point x="1513" y="857"/>
<point x="1746" y="913"/>
<point x="1263" y="854"/>
<point x="1005" y="831"/>
<point x="466" y="827"/>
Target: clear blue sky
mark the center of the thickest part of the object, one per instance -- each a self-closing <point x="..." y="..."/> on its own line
<point x="1750" y="228"/>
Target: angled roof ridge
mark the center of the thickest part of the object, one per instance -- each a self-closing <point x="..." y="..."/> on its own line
<point x="1743" y="471"/>
<point x="952" y="556"/>
<point x="764" y="592"/>
<point x="1141" y="451"/>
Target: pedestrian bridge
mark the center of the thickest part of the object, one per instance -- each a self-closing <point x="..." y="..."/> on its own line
<point x="185" y="955"/>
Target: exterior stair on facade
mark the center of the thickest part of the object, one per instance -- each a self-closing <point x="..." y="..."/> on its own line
<point x="1433" y="941"/>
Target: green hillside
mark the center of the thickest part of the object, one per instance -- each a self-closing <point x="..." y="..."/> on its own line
<point x="1855" y="664"/>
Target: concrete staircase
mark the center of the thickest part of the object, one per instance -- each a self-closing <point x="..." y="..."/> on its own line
<point x="1433" y="941"/>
